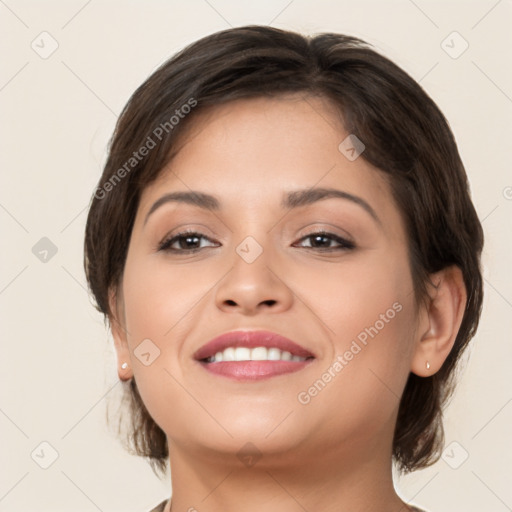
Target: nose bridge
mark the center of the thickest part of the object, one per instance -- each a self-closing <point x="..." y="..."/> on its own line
<point x="252" y="260"/>
<point x="253" y="240"/>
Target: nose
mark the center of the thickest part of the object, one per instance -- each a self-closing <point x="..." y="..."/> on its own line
<point x="252" y="288"/>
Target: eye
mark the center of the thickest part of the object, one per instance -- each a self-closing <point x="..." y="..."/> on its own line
<point x="186" y="241"/>
<point x="190" y="241"/>
<point x="322" y="241"/>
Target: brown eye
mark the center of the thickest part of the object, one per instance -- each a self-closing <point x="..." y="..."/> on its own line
<point x="323" y="240"/>
<point x="186" y="241"/>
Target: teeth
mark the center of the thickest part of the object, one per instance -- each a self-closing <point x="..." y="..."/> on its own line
<point x="242" y="354"/>
<point x="274" y="354"/>
<point x="254" y="354"/>
<point x="229" y="354"/>
<point x="257" y="354"/>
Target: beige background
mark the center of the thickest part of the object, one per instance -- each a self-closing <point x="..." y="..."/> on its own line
<point x="58" y="112"/>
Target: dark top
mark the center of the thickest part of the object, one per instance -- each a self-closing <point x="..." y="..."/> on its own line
<point x="160" y="508"/>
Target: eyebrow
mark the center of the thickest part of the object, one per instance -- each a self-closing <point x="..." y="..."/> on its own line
<point x="292" y="199"/>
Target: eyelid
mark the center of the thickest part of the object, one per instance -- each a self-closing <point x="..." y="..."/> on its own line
<point x="329" y="229"/>
<point x="189" y="227"/>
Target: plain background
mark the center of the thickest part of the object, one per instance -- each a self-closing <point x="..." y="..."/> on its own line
<point x="58" y="112"/>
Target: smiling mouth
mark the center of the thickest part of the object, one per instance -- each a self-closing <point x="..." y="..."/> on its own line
<point x="252" y="355"/>
<point x="250" y="364"/>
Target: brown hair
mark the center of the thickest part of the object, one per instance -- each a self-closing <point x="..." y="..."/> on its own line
<point x="405" y="134"/>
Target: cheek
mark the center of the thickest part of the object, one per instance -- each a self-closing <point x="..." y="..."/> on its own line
<point x="367" y="310"/>
<point x="365" y="291"/>
<point x="159" y="296"/>
<point x="158" y="301"/>
<point x="162" y="302"/>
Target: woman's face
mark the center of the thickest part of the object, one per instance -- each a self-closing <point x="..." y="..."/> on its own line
<point x="345" y="297"/>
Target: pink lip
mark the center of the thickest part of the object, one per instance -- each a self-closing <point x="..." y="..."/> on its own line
<point x="254" y="370"/>
<point x="251" y="339"/>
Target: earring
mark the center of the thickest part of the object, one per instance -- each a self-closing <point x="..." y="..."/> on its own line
<point x="124" y="366"/>
<point x="428" y="365"/>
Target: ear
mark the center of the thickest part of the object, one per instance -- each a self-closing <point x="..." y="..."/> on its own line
<point x="119" y="334"/>
<point x="440" y="321"/>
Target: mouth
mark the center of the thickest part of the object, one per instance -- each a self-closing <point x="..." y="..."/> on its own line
<point x="252" y="355"/>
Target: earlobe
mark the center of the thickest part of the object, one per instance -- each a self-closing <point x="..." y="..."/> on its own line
<point x="121" y="347"/>
<point x="442" y="316"/>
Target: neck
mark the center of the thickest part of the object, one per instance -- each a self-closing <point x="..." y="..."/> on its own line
<point x="340" y="483"/>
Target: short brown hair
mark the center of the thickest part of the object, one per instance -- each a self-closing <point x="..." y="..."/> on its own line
<point x="405" y="134"/>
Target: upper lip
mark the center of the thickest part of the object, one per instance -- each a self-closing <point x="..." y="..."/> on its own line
<point x="250" y="339"/>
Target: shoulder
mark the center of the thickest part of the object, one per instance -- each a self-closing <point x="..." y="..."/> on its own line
<point x="160" y="507"/>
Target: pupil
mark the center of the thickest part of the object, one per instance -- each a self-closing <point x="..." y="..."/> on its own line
<point x="189" y="238"/>
<point x="320" y="237"/>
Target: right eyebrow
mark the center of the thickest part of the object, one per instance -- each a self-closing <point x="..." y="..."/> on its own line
<point x="200" y="199"/>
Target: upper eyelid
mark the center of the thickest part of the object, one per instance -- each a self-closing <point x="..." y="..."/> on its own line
<point x="200" y="227"/>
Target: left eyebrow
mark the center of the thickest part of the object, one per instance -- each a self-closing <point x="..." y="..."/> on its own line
<point x="291" y="199"/>
<point x="298" y="198"/>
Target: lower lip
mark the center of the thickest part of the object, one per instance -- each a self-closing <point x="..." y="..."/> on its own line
<point x="254" y="370"/>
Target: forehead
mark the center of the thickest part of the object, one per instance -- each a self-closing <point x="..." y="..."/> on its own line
<point x="251" y="150"/>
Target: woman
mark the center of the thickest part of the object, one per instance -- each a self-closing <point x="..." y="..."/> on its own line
<point x="284" y="245"/>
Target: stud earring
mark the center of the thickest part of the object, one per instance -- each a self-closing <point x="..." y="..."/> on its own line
<point x="124" y="366"/>
<point x="428" y="365"/>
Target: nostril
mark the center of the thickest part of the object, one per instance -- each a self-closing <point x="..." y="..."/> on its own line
<point x="268" y="302"/>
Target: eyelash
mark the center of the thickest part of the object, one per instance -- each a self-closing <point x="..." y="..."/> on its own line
<point x="165" y="245"/>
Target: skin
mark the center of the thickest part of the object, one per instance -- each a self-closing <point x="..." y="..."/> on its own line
<point x="333" y="453"/>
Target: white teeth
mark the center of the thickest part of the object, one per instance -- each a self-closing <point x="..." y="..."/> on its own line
<point x="273" y="354"/>
<point x="255" y="354"/>
<point x="259" y="354"/>
<point x="242" y="354"/>
<point x="228" y="354"/>
<point x="286" y="356"/>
